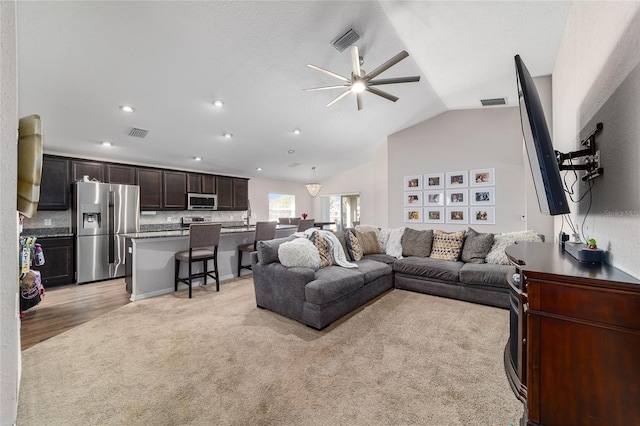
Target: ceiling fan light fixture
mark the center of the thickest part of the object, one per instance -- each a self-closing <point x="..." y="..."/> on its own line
<point x="313" y="188"/>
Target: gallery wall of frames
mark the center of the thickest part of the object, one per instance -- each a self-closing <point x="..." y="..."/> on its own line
<point x="460" y="197"/>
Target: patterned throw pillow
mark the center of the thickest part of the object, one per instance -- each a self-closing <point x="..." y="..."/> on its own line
<point x="369" y="242"/>
<point x="476" y="246"/>
<point x="417" y="243"/>
<point x="323" y="249"/>
<point x="355" y="250"/>
<point x="447" y="246"/>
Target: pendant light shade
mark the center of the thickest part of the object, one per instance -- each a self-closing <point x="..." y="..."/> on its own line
<point x="313" y="188"/>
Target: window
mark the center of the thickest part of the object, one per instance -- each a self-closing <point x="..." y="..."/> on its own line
<point x="344" y="210"/>
<point x="281" y="205"/>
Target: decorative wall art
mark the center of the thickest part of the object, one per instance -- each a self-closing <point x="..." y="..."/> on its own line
<point x="413" y="215"/>
<point x="457" y="197"/>
<point x="457" y="179"/>
<point x="483" y="177"/>
<point x="413" y="198"/>
<point x="433" y="215"/>
<point x="483" y="196"/>
<point x="412" y="182"/>
<point x="434" y="181"/>
<point x="457" y="215"/>
<point x="434" y="198"/>
<point x="481" y="215"/>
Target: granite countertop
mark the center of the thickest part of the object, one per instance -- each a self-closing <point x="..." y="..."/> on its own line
<point x="185" y="232"/>
<point x="46" y="232"/>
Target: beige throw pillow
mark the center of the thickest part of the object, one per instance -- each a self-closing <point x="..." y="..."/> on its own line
<point x="323" y="249"/>
<point x="447" y="246"/>
<point x="369" y="242"/>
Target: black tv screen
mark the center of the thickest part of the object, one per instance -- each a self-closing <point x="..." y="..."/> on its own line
<point x="542" y="157"/>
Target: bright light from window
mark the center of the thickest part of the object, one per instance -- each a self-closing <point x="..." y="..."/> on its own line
<point x="281" y="205"/>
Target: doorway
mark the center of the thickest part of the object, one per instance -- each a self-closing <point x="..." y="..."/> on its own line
<point x="344" y="210"/>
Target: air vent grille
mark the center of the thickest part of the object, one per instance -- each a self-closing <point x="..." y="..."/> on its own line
<point x="493" y="102"/>
<point x="346" y="40"/>
<point x="138" y="133"/>
<point x="292" y="165"/>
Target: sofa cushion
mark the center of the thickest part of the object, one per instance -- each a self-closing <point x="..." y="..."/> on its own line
<point x="384" y="258"/>
<point x="369" y="242"/>
<point x="486" y="274"/>
<point x="324" y="250"/>
<point x="268" y="250"/>
<point x="417" y="243"/>
<point x="502" y="241"/>
<point x="373" y="269"/>
<point x="427" y="267"/>
<point x="343" y="242"/>
<point x="447" y="245"/>
<point x="476" y="246"/>
<point x="299" y="252"/>
<point x="353" y="245"/>
<point x="331" y="283"/>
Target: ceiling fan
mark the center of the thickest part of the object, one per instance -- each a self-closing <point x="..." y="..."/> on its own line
<point x="360" y="81"/>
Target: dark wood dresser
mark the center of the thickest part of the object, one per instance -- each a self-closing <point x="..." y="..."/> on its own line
<point x="579" y="340"/>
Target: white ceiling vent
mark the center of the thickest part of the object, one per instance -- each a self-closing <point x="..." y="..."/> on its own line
<point x="493" y="102"/>
<point x="292" y="165"/>
<point x="138" y="133"/>
<point x="346" y="40"/>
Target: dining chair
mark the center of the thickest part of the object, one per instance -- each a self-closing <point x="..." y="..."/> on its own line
<point x="306" y="224"/>
<point x="264" y="231"/>
<point x="203" y="247"/>
<point x="294" y="220"/>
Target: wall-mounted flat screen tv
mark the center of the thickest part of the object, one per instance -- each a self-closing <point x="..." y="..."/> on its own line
<point x="542" y="157"/>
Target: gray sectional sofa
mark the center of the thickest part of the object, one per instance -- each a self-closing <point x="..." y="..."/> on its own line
<point x="319" y="297"/>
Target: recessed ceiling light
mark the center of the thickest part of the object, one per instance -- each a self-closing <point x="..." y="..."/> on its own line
<point x="106" y="143"/>
<point x="218" y="103"/>
<point x="127" y="108"/>
<point x="227" y="135"/>
<point x="197" y="158"/>
<point x="259" y="169"/>
<point x="296" y="131"/>
<point x="291" y="151"/>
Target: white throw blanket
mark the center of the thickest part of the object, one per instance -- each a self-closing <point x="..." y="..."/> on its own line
<point x="337" y="253"/>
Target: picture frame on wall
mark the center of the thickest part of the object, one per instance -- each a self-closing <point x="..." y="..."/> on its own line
<point x="413" y="198"/>
<point x="457" y="197"/>
<point x="433" y="198"/>
<point x="482" y="215"/>
<point x="433" y="215"/>
<point x="484" y="196"/>
<point x="457" y="215"/>
<point x="413" y="215"/>
<point x="483" y="177"/>
<point x="434" y="181"/>
<point x="413" y="182"/>
<point x="457" y="179"/>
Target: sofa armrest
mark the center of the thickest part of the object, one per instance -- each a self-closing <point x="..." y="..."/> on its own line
<point x="281" y="289"/>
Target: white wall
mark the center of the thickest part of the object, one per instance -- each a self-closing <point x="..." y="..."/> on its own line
<point x="466" y="140"/>
<point x="597" y="78"/>
<point x="259" y="190"/>
<point x="9" y="306"/>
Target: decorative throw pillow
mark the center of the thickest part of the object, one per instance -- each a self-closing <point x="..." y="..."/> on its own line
<point x="324" y="250"/>
<point x="340" y="235"/>
<point x="417" y="243"/>
<point x="299" y="252"/>
<point x="369" y="242"/>
<point x="392" y="241"/>
<point x="502" y="241"/>
<point x="476" y="246"/>
<point x="369" y="228"/>
<point x="447" y="245"/>
<point x="353" y="245"/>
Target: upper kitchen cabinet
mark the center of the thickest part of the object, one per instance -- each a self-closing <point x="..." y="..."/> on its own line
<point x="194" y="183"/>
<point x="240" y="194"/>
<point x="54" y="187"/>
<point x="93" y="169"/>
<point x="225" y="192"/>
<point x="208" y="184"/>
<point x="150" y="182"/>
<point x="121" y="174"/>
<point x="175" y="188"/>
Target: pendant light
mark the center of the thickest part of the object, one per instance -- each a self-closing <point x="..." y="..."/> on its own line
<point x="313" y="188"/>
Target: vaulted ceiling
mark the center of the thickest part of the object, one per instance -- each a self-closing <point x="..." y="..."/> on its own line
<point x="78" y="62"/>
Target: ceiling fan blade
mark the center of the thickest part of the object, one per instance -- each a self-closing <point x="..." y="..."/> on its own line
<point x="394" y="80"/>
<point x="359" y="101"/>
<point x="355" y="61"/>
<point x="342" y="86"/>
<point x="340" y="96"/>
<point x="383" y="94"/>
<point x="391" y="62"/>
<point x="332" y="74"/>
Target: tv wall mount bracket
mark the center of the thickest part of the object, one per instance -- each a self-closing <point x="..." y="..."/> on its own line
<point x="591" y="164"/>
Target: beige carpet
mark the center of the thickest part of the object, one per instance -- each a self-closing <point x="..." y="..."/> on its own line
<point x="403" y="359"/>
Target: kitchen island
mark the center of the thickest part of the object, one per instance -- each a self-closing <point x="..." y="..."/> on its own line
<point x="150" y="258"/>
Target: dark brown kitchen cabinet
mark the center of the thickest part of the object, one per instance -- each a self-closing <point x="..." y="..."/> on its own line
<point x="240" y="194"/>
<point x="58" y="266"/>
<point x="117" y="173"/>
<point x="175" y="188"/>
<point x="208" y="184"/>
<point x="54" y="187"/>
<point x="225" y="192"/>
<point x="93" y="169"/>
<point x="150" y="182"/>
<point x="194" y="183"/>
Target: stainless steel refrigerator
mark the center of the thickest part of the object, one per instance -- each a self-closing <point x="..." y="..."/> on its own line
<point x="102" y="214"/>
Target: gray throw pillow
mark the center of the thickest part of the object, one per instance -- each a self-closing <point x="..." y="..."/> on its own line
<point x="417" y="243"/>
<point x="476" y="246"/>
<point x="340" y="236"/>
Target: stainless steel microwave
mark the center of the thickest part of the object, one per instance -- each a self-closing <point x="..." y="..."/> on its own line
<point x="202" y="202"/>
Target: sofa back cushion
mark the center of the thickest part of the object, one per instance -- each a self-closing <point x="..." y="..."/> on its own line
<point x="417" y="243"/>
<point x="447" y="245"/>
<point x="476" y="246"/>
<point x="268" y="249"/>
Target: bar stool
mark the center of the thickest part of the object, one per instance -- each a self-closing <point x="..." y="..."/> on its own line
<point x="294" y="220"/>
<point x="202" y="237"/>
<point x="305" y="224"/>
<point x="264" y="231"/>
<point x="283" y="221"/>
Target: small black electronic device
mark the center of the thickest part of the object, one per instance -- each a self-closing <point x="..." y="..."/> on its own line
<point x="583" y="253"/>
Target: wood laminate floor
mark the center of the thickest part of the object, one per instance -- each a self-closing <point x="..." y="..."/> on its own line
<point x="65" y="307"/>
